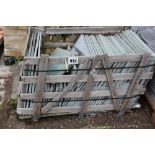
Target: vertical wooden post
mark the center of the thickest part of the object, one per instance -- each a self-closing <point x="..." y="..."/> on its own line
<point x="88" y="88"/>
<point x="110" y="80"/>
<point x="135" y="82"/>
<point x="43" y="63"/>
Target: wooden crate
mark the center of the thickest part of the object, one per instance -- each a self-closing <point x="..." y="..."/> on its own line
<point x="37" y="110"/>
<point x="42" y="79"/>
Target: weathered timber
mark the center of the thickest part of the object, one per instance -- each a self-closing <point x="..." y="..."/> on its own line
<point x="84" y="30"/>
<point x="40" y="87"/>
<point x="78" y="94"/>
<point x="88" y="87"/>
<point x="81" y="59"/>
<point x="135" y="81"/>
<point x="110" y="80"/>
<point x="97" y="77"/>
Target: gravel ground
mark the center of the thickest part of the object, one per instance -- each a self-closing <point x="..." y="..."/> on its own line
<point x="135" y="119"/>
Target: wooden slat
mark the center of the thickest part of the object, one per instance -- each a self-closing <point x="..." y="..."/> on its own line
<point x="135" y="82"/>
<point x="68" y="110"/>
<point x="16" y="27"/>
<point x="84" y="30"/>
<point x="81" y="59"/>
<point x="97" y="77"/>
<point x="110" y="80"/>
<point x="40" y="87"/>
<point x="15" y="32"/>
<point x="78" y="94"/>
<point x="13" y="52"/>
<point x="86" y="94"/>
<point x="27" y="40"/>
<point x="16" y="42"/>
<point x="88" y="87"/>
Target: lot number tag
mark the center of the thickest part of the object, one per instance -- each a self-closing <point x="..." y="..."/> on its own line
<point x="72" y="60"/>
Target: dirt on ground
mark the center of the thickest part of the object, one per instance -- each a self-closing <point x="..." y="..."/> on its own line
<point x="134" y="119"/>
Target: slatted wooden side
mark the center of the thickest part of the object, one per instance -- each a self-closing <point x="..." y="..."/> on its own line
<point x="82" y="77"/>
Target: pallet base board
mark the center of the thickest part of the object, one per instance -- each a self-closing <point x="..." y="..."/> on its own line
<point x="68" y="110"/>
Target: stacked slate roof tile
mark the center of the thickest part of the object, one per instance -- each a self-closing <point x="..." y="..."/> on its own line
<point x="124" y="43"/>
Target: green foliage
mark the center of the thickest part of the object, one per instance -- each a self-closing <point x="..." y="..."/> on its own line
<point x="14" y="101"/>
<point x="18" y="59"/>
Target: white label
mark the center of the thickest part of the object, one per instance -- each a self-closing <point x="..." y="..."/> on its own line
<point x="72" y="60"/>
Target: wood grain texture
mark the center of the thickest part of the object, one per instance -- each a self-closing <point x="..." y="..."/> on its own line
<point x="67" y="110"/>
<point x="135" y="81"/>
<point x="81" y="59"/>
<point x="110" y="80"/>
<point x="13" y="52"/>
<point x="79" y="94"/>
<point x="15" y="32"/>
<point x="84" y="30"/>
<point x="14" y="40"/>
<point x="40" y="87"/>
<point x="89" y="86"/>
<point x="97" y="77"/>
